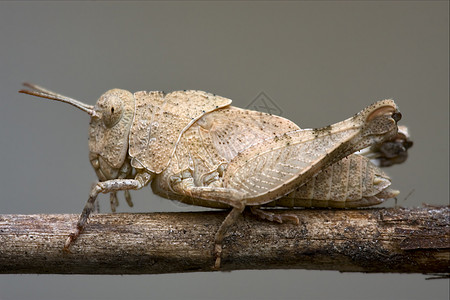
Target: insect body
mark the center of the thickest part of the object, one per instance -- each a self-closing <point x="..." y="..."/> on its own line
<point x="194" y="147"/>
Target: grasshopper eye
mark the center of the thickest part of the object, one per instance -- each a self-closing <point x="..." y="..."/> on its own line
<point x="112" y="111"/>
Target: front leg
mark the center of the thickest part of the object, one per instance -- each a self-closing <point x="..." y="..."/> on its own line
<point x="109" y="186"/>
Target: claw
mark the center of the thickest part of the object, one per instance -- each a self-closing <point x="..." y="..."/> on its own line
<point x="70" y="239"/>
<point x="114" y="201"/>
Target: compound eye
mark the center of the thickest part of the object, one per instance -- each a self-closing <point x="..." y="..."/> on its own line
<point x="112" y="111"/>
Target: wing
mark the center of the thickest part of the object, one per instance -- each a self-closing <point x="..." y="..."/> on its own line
<point x="231" y="130"/>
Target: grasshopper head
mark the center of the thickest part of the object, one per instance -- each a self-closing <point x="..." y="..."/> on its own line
<point x="108" y="133"/>
<point x="111" y="119"/>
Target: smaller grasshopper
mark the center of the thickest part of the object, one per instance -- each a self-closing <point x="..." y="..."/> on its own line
<point x="393" y="151"/>
<point x="194" y="147"/>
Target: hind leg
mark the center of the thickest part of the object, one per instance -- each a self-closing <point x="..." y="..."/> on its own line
<point x="231" y="197"/>
<point x="274" y="217"/>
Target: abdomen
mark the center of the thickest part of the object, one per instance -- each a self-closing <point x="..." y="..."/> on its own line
<point x="352" y="182"/>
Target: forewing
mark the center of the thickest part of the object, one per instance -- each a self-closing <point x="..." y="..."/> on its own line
<point x="232" y="129"/>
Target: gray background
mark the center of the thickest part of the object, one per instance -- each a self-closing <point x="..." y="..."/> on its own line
<point x="320" y="62"/>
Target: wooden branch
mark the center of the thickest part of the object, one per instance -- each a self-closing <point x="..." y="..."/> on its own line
<point x="398" y="240"/>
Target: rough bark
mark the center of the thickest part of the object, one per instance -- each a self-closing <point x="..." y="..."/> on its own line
<point x="394" y="240"/>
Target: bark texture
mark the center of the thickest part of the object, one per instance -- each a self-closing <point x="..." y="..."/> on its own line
<point x="394" y="240"/>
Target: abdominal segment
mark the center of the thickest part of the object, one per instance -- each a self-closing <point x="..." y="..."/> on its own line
<point x="351" y="182"/>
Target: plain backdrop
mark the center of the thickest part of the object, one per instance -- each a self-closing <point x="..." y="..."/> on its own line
<point x="318" y="62"/>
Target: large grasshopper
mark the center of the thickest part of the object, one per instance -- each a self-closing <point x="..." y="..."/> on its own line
<point x="194" y="147"/>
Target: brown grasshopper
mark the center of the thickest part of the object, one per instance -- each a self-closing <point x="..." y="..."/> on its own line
<point x="194" y="147"/>
<point x="390" y="152"/>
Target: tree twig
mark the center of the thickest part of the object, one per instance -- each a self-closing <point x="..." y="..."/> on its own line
<point x="394" y="240"/>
